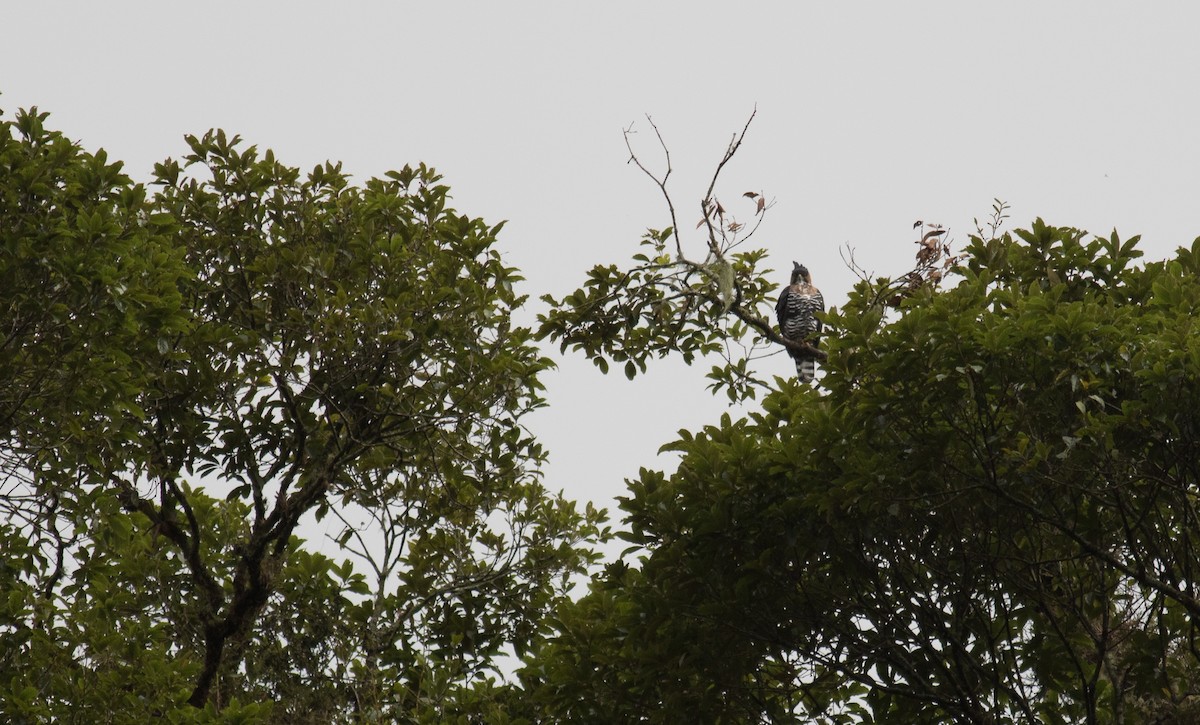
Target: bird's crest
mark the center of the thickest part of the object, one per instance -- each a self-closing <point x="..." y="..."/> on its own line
<point x="799" y="272"/>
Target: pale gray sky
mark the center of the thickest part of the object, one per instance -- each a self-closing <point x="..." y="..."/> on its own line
<point x="870" y="116"/>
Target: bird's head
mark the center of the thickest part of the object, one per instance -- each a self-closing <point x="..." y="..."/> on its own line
<point x="799" y="272"/>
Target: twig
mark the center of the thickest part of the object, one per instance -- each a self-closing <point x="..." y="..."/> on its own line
<point x="660" y="183"/>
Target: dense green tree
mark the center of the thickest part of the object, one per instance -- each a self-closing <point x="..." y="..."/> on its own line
<point x="196" y="373"/>
<point x="986" y="513"/>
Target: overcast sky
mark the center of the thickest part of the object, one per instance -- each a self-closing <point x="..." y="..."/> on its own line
<point x="869" y="117"/>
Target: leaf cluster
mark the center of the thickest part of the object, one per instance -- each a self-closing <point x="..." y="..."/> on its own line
<point x="670" y="301"/>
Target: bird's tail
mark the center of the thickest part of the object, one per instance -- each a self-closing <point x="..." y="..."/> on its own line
<point x="806" y="369"/>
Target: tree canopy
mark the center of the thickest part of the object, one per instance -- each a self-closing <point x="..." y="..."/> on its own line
<point x="196" y="371"/>
<point x="986" y="511"/>
<point x="986" y="514"/>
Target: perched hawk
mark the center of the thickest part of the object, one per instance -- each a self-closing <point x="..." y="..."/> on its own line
<point x="797" y="312"/>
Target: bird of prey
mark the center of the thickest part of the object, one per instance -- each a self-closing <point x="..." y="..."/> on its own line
<point x="797" y="311"/>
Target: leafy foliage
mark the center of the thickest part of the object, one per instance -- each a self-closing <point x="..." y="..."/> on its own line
<point x="989" y="516"/>
<point x="194" y="374"/>
<point x="668" y="302"/>
<point x="85" y="269"/>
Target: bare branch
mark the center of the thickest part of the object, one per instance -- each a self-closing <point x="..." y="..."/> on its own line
<point x="660" y="183"/>
<point x="708" y="201"/>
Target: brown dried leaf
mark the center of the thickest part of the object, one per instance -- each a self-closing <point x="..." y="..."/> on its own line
<point x="751" y="194"/>
<point x="762" y="204"/>
<point x="934" y="233"/>
<point x="917" y="223"/>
